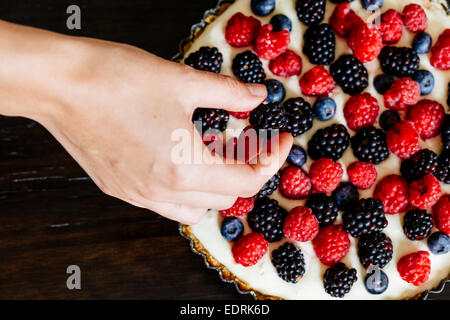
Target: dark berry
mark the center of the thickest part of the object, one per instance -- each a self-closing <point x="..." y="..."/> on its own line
<point x="376" y="282"/>
<point x="311" y="11"/>
<point x="399" y="61"/>
<point x="323" y="207"/>
<point x="319" y="44"/>
<point x="425" y="79"/>
<point x="299" y="116"/>
<point x="270" y="186"/>
<point x="267" y="218"/>
<point x="270" y="116"/>
<point x="248" y="68"/>
<point x="422" y="43"/>
<point x="417" y="224"/>
<point x="232" y="228"/>
<point x="275" y="91"/>
<point x="281" y="22"/>
<point x="329" y="142"/>
<point x="442" y="172"/>
<point x="216" y="119"/>
<point x="324" y="108"/>
<point x="445" y="134"/>
<point x="205" y="59"/>
<point x="346" y="195"/>
<point x="421" y="163"/>
<point x="338" y="280"/>
<point x="372" y="5"/>
<point x="289" y="262"/>
<point x="369" y="145"/>
<point x="365" y="218"/>
<point x="297" y="156"/>
<point x="375" y="250"/>
<point x="383" y="82"/>
<point x="388" y="119"/>
<point x="263" y="7"/>
<point x="439" y="243"/>
<point x="350" y="74"/>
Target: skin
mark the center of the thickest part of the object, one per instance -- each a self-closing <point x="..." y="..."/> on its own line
<point x="114" y="108"/>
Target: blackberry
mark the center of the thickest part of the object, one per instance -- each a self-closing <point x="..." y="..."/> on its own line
<point x="375" y="249"/>
<point x="205" y="59"/>
<point x="365" y="217"/>
<point x="422" y="163"/>
<point x="369" y="145"/>
<point x="311" y="11"/>
<point x="350" y="74"/>
<point x="329" y="142"/>
<point x="299" y="116"/>
<point x="319" y="44"/>
<point x="248" y="68"/>
<point x="323" y="207"/>
<point x="270" y="186"/>
<point x="269" y="116"/>
<point x="445" y="134"/>
<point x="215" y="119"/>
<point x="417" y="224"/>
<point x="442" y="172"/>
<point x="338" y="280"/>
<point x="267" y="218"/>
<point x="399" y="61"/>
<point x="289" y="262"/>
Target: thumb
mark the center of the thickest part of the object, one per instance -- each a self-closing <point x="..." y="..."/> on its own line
<point x="218" y="91"/>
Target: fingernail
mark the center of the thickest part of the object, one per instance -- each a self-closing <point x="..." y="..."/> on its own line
<point x="257" y="90"/>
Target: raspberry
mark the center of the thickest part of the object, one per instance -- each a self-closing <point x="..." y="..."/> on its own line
<point x="329" y="142"/>
<point x="241" y="207"/>
<point x="205" y="59"/>
<point x="286" y="65"/>
<point x="421" y="163"/>
<point x="331" y="244"/>
<point x="392" y="190"/>
<point x="249" y="249"/>
<point x="415" y="267"/>
<point x="301" y="225"/>
<point x="361" y="111"/>
<point x="323" y="207"/>
<point x="248" y="68"/>
<point x="215" y="119"/>
<point x="441" y="214"/>
<point x="366" y="42"/>
<point x="399" y="62"/>
<point x="310" y="11"/>
<point x="425" y="192"/>
<point x="365" y="217"/>
<point x="299" y="115"/>
<point x="317" y="82"/>
<point x="414" y="18"/>
<point x="403" y="92"/>
<point x="343" y="19"/>
<point x="240" y="115"/>
<point x="270" y="44"/>
<point x="270" y="186"/>
<point x="338" y="280"/>
<point x="417" y="224"/>
<point x="350" y="74"/>
<point x="362" y="174"/>
<point x="241" y="31"/>
<point x="267" y="218"/>
<point x="375" y="249"/>
<point x="391" y="26"/>
<point x="325" y="175"/>
<point x="369" y="145"/>
<point x="403" y="140"/>
<point x="295" y="183"/>
<point x="289" y="262"/>
<point x="319" y="44"/>
<point x="428" y="117"/>
<point x="440" y="52"/>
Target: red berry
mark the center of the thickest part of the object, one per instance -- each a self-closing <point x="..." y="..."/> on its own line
<point x="415" y="267"/>
<point x="414" y="18"/>
<point x="241" y="31"/>
<point x="270" y="44"/>
<point x="403" y="92"/>
<point x="325" y="175"/>
<point x="425" y="192"/>
<point x="441" y="213"/>
<point x="403" y="140"/>
<point x="392" y="190"/>
<point x="440" y="52"/>
<point x="295" y="183"/>
<point x="249" y="249"/>
<point x="343" y="19"/>
<point x="391" y="26"/>
<point x="241" y="207"/>
<point x="362" y="174"/>
<point x="331" y="244"/>
<point x="240" y="115"/>
<point x="366" y="42"/>
<point x="428" y="117"/>
<point x="317" y="82"/>
<point x="286" y="65"/>
<point x="301" y="225"/>
<point x="361" y="111"/>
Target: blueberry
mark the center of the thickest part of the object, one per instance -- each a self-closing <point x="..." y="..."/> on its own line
<point x="324" y="108"/>
<point x="376" y="282"/>
<point x="297" y="156"/>
<point x="425" y="79"/>
<point x="372" y="5"/>
<point x="232" y="228"/>
<point x="275" y="91"/>
<point x="439" y="243"/>
<point x="345" y="195"/>
<point x="422" y="43"/>
<point x="281" y="22"/>
<point x="383" y="82"/>
<point x="388" y="119"/>
<point x="263" y="7"/>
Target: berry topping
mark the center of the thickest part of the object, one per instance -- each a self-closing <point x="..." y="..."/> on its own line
<point x="376" y="282"/>
<point x="331" y="244"/>
<point x="383" y="82"/>
<point x="329" y="142"/>
<point x="439" y="243"/>
<point x="375" y="249"/>
<point x="270" y="186"/>
<point x="241" y="31"/>
<point x="399" y="62"/>
<point x="338" y="280"/>
<point x="270" y="44"/>
<point x="421" y="163"/>
<point x="361" y="111"/>
<point x="372" y="5"/>
<point x="289" y="262"/>
<point x="325" y="175"/>
<point x="425" y="192"/>
<point x="240" y="115"/>
<point x="301" y="225"/>
<point x="249" y="249"/>
<point x="365" y="218"/>
<point x="286" y="65"/>
<point x="281" y="22"/>
<point x="263" y="7"/>
<point x="415" y="267"/>
<point x="440" y="52"/>
<point x="323" y="207"/>
<point x="295" y="183"/>
<point x="319" y="44"/>
<point x="362" y="174"/>
<point x="369" y="145"/>
<point x="392" y="190"/>
<point x="345" y="195"/>
<point x="297" y="157"/>
<point x="216" y="119"/>
<point x="422" y="43"/>
<point x="275" y="91"/>
<point x="403" y="92"/>
<point x="267" y="218"/>
<point x="299" y="116"/>
<point x="441" y="213"/>
<point x="427" y="117"/>
<point x="445" y="134"/>
<point x="269" y="116"/>
<point x="417" y="224"/>
<point x="317" y="82"/>
<point x="442" y="172"/>
<point x="391" y="26"/>
<point x="241" y="207"/>
<point x="414" y="18"/>
<point x="205" y="59"/>
<point x="403" y="140"/>
<point x="324" y="108"/>
<point x="350" y="74"/>
<point x="425" y="79"/>
<point x="388" y="119"/>
<point x="231" y="228"/>
<point x="343" y="19"/>
<point x="310" y="11"/>
<point x="366" y="42"/>
<point x="248" y="68"/>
